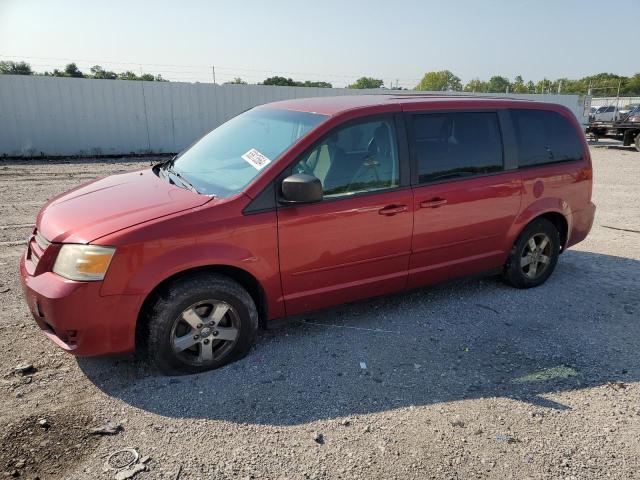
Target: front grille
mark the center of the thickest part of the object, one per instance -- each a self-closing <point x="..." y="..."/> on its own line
<point x="42" y="242"/>
<point x="37" y="247"/>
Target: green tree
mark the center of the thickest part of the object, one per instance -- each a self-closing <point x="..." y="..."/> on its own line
<point x="236" y="81"/>
<point x="518" y="85"/>
<point x="440" y="81"/>
<point x="366" y="82"/>
<point x="128" y="75"/>
<point x="632" y="86"/>
<point x="71" y="70"/>
<point x="280" y="81"/>
<point x="307" y="83"/>
<point x="476" y="85"/>
<point x="15" y="68"/>
<point x="544" y="86"/>
<point x="55" y="73"/>
<point x="498" y="84"/>
<point x="99" y="72"/>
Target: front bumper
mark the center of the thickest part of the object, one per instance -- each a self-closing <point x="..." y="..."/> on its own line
<point x="74" y="315"/>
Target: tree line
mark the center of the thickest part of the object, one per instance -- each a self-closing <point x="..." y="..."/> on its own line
<point x="601" y="84"/>
<point x="72" y="70"/>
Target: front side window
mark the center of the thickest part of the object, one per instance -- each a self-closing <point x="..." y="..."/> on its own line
<point x="456" y="145"/>
<point x="354" y="159"/>
<point x="543" y="137"/>
<point x="227" y="159"/>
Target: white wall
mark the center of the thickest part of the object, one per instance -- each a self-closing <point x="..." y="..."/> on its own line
<point x="74" y="116"/>
<point x="622" y="101"/>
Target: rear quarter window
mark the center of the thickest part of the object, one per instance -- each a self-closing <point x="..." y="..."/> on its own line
<point x="545" y="137"/>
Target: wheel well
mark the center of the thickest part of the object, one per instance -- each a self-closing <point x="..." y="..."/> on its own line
<point x="244" y="278"/>
<point x="560" y="223"/>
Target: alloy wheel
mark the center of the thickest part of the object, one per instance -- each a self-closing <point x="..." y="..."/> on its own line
<point x="536" y="255"/>
<point x="205" y="332"/>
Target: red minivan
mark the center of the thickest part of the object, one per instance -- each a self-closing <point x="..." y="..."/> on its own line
<point x="302" y="204"/>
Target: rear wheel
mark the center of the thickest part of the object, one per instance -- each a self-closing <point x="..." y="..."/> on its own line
<point x="534" y="255"/>
<point x="201" y="322"/>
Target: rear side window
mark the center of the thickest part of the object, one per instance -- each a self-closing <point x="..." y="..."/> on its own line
<point x="545" y="137"/>
<point x="455" y="145"/>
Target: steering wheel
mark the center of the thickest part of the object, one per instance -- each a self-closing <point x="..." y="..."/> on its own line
<point x="369" y="161"/>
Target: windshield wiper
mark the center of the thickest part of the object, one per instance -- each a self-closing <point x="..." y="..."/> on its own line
<point x="168" y="167"/>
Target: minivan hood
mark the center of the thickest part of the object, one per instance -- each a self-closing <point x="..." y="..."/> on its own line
<point x="107" y="205"/>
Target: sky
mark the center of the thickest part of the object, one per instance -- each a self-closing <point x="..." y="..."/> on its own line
<point x="334" y="41"/>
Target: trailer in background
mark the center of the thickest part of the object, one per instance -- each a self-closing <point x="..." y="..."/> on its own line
<point x="625" y="131"/>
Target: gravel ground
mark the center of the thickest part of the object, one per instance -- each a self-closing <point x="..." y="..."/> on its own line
<point x="472" y="379"/>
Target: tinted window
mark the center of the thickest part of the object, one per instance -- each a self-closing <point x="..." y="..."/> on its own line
<point x="453" y="145"/>
<point x="545" y="137"/>
<point x="353" y="159"/>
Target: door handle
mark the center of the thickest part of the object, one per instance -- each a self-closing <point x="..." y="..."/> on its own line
<point x="392" y="210"/>
<point x="433" y="203"/>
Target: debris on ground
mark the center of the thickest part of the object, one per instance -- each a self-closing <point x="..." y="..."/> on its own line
<point x="107" y="429"/>
<point x="617" y="385"/>
<point x="130" y="472"/>
<point x="123" y="458"/>
<point x="457" y="423"/>
<point x="25" y="369"/>
<point x="503" y="437"/>
<point x="318" y="438"/>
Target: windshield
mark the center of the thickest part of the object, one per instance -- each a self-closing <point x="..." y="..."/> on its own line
<point x="228" y="158"/>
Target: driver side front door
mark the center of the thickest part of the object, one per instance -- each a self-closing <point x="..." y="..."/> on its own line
<point x="356" y="242"/>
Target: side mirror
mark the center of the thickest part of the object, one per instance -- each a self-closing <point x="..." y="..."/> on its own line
<point x="301" y="188"/>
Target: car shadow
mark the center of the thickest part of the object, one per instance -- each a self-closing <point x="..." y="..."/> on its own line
<point x="464" y="340"/>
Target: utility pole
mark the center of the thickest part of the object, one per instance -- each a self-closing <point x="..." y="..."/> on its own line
<point x="615" y="114"/>
<point x="213" y="72"/>
<point x="559" y="87"/>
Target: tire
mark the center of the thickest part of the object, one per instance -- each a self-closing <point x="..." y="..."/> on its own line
<point x="527" y="269"/>
<point x="637" y="142"/>
<point x="199" y="323"/>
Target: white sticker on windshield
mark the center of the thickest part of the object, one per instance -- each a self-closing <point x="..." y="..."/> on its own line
<point x="256" y="159"/>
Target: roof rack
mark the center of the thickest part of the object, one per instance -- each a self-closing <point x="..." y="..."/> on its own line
<point x="455" y="95"/>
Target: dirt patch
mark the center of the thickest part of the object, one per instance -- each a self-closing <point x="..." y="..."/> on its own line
<point x="46" y="445"/>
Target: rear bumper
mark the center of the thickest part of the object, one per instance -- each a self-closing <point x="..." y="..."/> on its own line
<point x="582" y="221"/>
<point x="76" y="318"/>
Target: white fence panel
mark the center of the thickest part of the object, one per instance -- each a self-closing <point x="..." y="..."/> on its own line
<point x="622" y="101"/>
<point x="52" y="116"/>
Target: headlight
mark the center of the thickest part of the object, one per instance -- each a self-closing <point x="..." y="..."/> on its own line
<point x="83" y="262"/>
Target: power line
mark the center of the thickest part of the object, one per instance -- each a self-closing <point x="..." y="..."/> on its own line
<point x="218" y="67"/>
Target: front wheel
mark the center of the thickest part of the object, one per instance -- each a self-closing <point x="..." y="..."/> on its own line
<point x="534" y="255"/>
<point x="201" y="322"/>
<point x="637" y="142"/>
